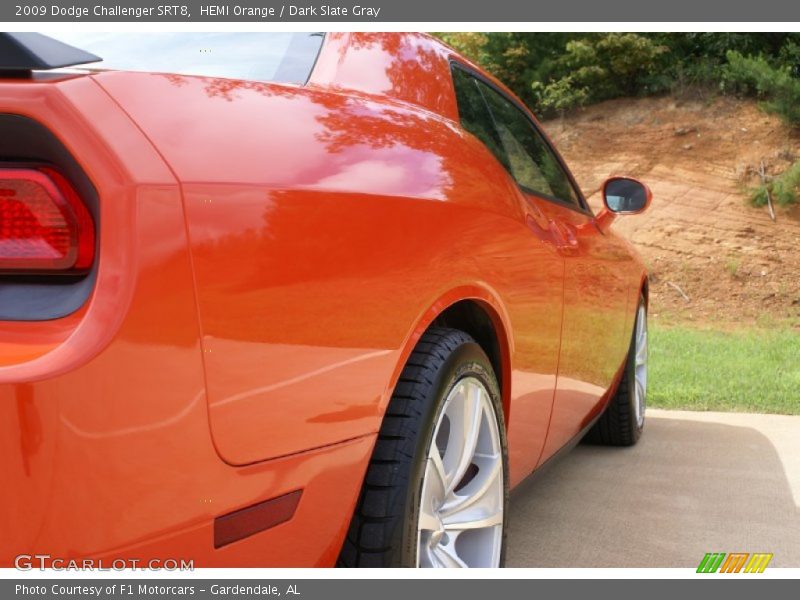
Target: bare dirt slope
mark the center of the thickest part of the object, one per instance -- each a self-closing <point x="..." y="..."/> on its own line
<point x="701" y="238"/>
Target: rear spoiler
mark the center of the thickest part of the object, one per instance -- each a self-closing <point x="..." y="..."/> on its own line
<point x="21" y="52"/>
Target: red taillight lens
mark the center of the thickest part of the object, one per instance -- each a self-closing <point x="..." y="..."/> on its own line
<point x="44" y="225"/>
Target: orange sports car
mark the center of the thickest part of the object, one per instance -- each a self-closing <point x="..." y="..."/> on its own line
<point x="281" y="299"/>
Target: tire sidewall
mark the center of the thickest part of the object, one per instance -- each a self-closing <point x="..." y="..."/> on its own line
<point x="467" y="360"/>
<point x="631" y="374"/>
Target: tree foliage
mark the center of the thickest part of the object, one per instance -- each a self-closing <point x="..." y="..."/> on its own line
<point x="557" y="72"/>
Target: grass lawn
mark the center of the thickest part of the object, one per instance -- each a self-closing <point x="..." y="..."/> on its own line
<point x="752" y="370"/>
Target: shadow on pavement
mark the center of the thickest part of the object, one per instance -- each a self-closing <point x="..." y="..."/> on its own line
<point x="689" y="487"/>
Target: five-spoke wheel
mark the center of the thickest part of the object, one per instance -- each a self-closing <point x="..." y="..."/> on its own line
<point x="461" y="505"/>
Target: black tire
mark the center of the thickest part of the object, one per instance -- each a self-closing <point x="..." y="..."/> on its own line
<point x="383" y="531"/>
<point x="618" y="426"/>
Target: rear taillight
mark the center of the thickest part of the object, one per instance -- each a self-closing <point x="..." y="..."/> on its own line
<point x="44" y="225"/>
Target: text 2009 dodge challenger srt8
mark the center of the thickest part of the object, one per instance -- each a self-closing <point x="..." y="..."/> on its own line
<point x="293" y="299"/>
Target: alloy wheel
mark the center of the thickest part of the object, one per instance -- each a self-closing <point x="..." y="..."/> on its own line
<point x="461" y="506"/>
<point x="640" y="365"/>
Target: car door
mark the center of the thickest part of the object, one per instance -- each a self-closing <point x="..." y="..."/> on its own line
<point x="595" y="297"/>
<point x="593" y="338"/>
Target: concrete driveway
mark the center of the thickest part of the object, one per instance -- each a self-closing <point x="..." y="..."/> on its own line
<point x="695" y="483"/>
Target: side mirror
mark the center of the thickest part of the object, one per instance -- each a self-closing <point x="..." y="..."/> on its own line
<point x="622" y="196"/>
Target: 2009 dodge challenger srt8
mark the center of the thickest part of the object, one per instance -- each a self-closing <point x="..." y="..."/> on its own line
<point x="292" y="300"/>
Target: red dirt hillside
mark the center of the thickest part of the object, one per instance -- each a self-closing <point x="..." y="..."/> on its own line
<point x="700" y="237"/>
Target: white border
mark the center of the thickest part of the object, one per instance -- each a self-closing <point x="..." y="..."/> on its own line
<point x="314" y="573"/>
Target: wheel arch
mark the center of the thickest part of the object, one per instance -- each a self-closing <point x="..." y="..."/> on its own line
<point x="478" y="311"/>
<point x="644" y="287"/>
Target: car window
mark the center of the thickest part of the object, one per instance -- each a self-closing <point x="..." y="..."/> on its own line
<point x="265" y="56"/>
<point x="510" y="136"/>
<point x="532" y="163"/>
<point x="475" y="116"/>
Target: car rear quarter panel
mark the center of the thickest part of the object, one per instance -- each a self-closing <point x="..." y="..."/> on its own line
<point x="323" y="226"/>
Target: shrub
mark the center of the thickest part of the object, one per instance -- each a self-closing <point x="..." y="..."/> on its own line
<point x="784" y="189"/>
<point x="611" y="64"/>
<point x="777" y="86"/>
<point x="559" y="96"/>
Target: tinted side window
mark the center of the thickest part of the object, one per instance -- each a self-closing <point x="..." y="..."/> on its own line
<point x="475" y="116"/>
<point x="531" y="161"/>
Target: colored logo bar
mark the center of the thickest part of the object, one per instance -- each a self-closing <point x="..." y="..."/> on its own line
<point x="735" y="562"/>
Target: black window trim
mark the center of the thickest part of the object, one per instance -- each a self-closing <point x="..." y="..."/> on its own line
<point x="324" y="36"/>
<point x="584" y="207"/>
